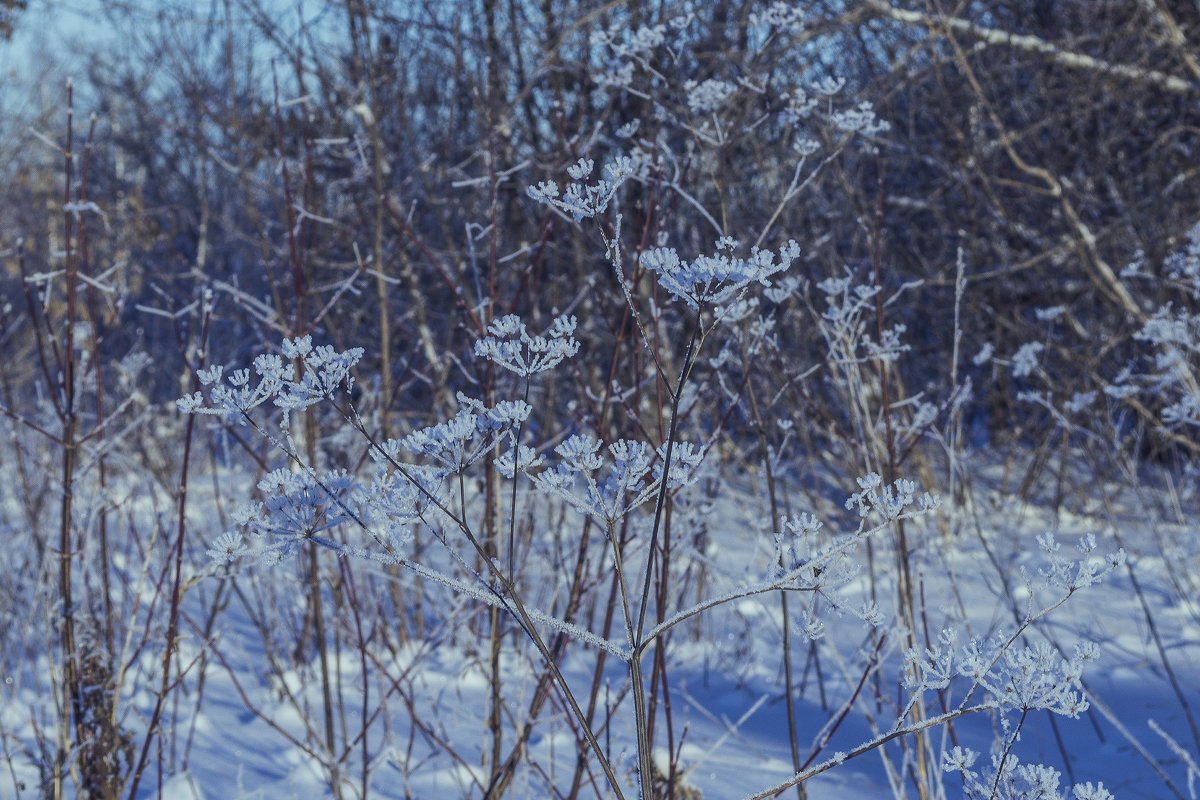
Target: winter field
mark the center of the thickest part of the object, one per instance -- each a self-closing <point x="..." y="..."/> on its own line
<point x="579" y="400"/>
<point x="411" y="716"/>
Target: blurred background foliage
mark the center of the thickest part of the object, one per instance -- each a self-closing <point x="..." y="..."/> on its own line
<point x="358" y="169"/>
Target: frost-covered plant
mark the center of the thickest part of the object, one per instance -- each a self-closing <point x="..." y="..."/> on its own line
<point x="300" y="505"/>
<point x="1009" y="779"/>
<point x="1173" y="334"/>
<point x="856" y="352"/>
<point x="863" y="351"/>
<point x="509" y="344"/>
<point x="627" y="485"/>
<point x="715" y="288"/>
<point x="323" y="372"/>
<point x="583" y="200"/>
<point x="301" y="502"/>
<point x="1014" y="679"/>
<point x="719" y="280"/>
<point x="849" y="308"/>
<point x="635" y="474"/>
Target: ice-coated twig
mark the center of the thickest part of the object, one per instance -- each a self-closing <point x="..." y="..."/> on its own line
<point x="476" y="591"/>
<point x="1181" y="752"/>
<point x="873" y="744"/>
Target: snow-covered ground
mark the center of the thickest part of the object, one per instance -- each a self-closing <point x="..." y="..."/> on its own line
<point x="409" y="708"/>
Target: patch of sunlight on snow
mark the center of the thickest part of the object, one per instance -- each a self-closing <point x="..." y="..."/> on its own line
<point x="182" y="787"/>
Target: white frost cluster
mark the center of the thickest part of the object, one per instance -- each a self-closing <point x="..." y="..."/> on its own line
<point x="460" y="442"/>
<point x="1009" y="779"/>
<point x="614" y="485"/>
<point x="1028" y="678"/>
<point x="718" y="279"/>
<point x="1025" y="360"/>
<point x="1071" y="576"/>
<point x="861" y="120"/>
<point x="1015" y="678"/>
<point x="786" y="16"/>
<point x="299" y="505"/>
<point x="707" y="96"/>
<point x="799" y="106"/>
<point x="583" y="200"/>
<point x="631" y="47"/>
<point x="509" y="345"/>
<point x="637" y="44"/>
<point x="848" y="306"/>
<point x="325" y="372"/>
<point x="1170" y="381"/>
<point x="807" y="559"/>
<point x="890" y="501"/>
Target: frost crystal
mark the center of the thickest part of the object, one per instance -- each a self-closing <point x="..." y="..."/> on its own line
<point x="630" y="478"/>
<point x="717" y="279"/>
<point x="685" y="460"/>
<point x="860" y="119"/>
<point x="521" y="459"/>
<point x="800" y="106"/>
<point x="1024" y="361"/>
<point x="1070" y="576"/>
<point x="1086" y="791"/>
<point x="462" y="441"/>
<point x="890" y="502"/>
<point x="829" y="85"/>
<point x="787" y="16"/>
<point x="228" y="547"/>
<point x="510" y="345"/>
<point x="959" y="760"/>
<point x="583" y="200"/>
<point x="1009" y="779"/>
<point x="708" y="95"/>
<point x="324" y="372"/>
<point x="297" y="507"/>
<point x="984" y="355"/>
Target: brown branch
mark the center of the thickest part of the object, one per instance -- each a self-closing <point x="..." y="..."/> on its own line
<point x="1033" y="44"/>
